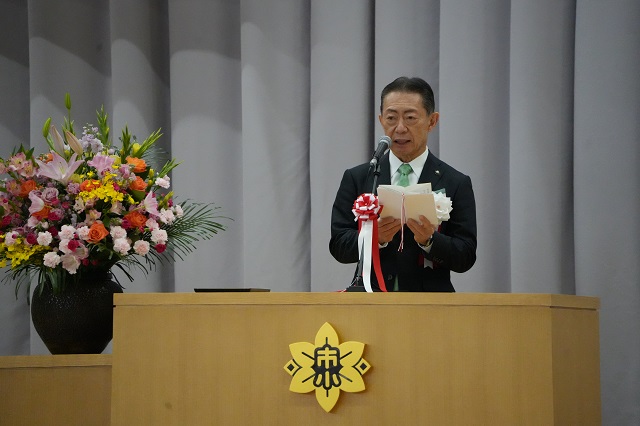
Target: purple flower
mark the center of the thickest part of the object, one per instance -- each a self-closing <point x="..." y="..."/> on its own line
<point x="73" y="188"/>
<point x="49" y="195"/>
<point x="125" y="171"/>
<point x="90" y="142"/>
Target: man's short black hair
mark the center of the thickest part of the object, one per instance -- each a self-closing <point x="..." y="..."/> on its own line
<point x="411" y="85"/>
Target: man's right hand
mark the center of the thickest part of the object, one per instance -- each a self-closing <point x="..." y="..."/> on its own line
<point x="387" y="228"/>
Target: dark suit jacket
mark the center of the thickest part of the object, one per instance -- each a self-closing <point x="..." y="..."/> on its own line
<point x="453" y="247"/>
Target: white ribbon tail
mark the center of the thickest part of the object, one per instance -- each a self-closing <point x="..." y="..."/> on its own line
<point x="403" y="220"/>
<point x="364" y="248"/>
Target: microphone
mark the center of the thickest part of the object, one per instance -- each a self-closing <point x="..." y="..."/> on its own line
<point x="383" y="145"/>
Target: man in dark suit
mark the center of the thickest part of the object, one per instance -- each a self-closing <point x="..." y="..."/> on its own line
<point x="429" y="253"/>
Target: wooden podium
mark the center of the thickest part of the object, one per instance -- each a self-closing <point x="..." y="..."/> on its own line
<point x="55" y="390"/>
<point x="438" y="359"/>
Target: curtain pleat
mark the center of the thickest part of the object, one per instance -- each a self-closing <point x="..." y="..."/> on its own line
<point x="140" y="95"/>
<point x="541" y="145"/>
<point x="606" y="185"/>
<point x="206" y="132"/>
<point x="275" y="144"/>
<point x="340" y="137"/>
<point x="474" y="126"/>
<point x="14" y="130"/>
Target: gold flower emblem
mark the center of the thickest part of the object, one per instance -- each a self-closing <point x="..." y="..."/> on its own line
<point x="327" y="367"/>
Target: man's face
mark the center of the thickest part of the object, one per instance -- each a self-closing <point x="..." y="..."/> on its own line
<point x="407" y="123"/>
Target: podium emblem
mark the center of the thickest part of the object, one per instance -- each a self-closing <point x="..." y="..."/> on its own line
<point x="327" y="367"/>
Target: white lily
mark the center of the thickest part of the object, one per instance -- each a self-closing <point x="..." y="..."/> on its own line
<point x="74" y="143"/>
<point x="58" y="168"/>
<point x="57" y="139"/>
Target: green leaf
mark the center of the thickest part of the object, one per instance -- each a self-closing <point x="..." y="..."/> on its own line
<point x="103" y="126"/>
<point x="137" y="195"/>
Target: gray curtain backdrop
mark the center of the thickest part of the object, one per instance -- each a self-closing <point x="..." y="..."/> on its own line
<point x="267" y="102"/>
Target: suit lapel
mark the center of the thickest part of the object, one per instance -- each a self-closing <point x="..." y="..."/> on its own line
<point x="431" y="171"/>
<point x="385" y="174"/>
<point x="385" y="171"/>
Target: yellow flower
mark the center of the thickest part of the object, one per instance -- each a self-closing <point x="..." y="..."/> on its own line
<point x="105" y="192"/>
<point x="135" y="148"/>
<point x="19" y="253"/>
<point x="116" y="161"/>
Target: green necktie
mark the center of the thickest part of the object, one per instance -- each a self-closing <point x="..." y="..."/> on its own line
<point x="404" y="170"/>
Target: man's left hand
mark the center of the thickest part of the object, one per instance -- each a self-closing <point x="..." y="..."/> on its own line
<point x="422" y="230"/>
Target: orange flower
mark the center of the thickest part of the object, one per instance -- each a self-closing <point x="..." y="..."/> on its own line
<point x="97" y="232"/>
<point x="89" y="185"/>
<point x="136" y="219"/>
<point x="139" y="165"/>
<point x="42" y="214"/>
<point x="138" y="185"/>
<point x="48" y="157"/>
<point x="26" y="187"/>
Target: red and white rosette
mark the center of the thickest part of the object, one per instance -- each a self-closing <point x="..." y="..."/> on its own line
<point x="366" y="209"/>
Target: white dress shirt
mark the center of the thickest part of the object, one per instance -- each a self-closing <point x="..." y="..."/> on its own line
<point x="417" y="165"/>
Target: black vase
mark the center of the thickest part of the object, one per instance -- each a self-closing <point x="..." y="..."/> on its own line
<point x="78" y="320"/>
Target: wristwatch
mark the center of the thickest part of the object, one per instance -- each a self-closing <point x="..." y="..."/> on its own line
<point x="428" y="243"/>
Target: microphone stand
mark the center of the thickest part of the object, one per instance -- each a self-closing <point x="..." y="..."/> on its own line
<point x="357" y="284"/>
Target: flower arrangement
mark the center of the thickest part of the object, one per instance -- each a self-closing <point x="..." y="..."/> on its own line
<point x="87" y="206"/>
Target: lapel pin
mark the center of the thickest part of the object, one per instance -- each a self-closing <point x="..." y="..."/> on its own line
<point x="438" y="172"/>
